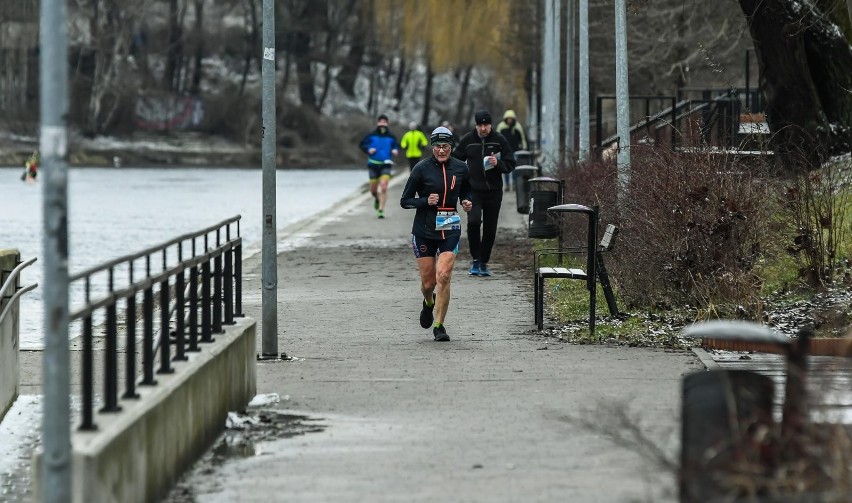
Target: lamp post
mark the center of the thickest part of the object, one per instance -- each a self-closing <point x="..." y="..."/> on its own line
<point x="269" y="300"/>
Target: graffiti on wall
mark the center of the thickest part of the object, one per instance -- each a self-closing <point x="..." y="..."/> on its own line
<point x="170" y="112"/>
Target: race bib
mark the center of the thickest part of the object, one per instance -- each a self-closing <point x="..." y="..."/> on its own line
<point x="447" y="221"/>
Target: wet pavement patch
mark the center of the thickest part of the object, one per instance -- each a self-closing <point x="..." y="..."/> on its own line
<point x="243" y="431"/>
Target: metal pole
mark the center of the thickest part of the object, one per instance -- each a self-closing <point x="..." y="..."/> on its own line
<point x="622" y="97"/>
<point x="584" y="80"/>
<point x="269" y="347"/>
<point x="570" y="89"/>
<point x="53" y="146"/>
<point x="550" y="87"/>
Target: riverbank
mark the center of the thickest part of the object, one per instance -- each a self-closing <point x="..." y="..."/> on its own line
<point x="185" y="149"/>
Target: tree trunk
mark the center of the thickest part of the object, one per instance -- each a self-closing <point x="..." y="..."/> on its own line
<point x="174" y="48"/>
<point x="326" y="83"/>
<point x="427" y="98"/>
<point x="400" y="84"/>
<point x="806" y="73"/>
<point x="459" y="117"/>
<point x="351" y="64"/>
<point x="301" y="53"/>
<point x="195" y="88"/>
<point x="250" y="18"/>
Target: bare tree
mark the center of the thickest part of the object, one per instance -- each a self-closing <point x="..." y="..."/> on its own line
<point x="195" y="88"/>
<point x="174" y="49"/>
<point x="110" y="24"/>
<point x="805" y="58"/>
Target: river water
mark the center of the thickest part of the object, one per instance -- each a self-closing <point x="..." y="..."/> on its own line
<point x="114" y="212"/>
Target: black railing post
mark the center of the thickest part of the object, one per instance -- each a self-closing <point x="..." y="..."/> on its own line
<point x="229" y="286"/>
<point x="148" y="337"/>
<point x="180" y="336"/>
<point x="217" y="294"/>
<point x="238" y="278"/>
<point x="111" y="361"/>
<point x="87" y="377"/>
<point x="130" y="352"/>
<point x="206" y="334"/>
<point x="193" y="309"/>
<point x="165" y="364"/>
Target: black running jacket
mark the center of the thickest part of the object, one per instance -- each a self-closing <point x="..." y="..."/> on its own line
<point x="450" y="180"/>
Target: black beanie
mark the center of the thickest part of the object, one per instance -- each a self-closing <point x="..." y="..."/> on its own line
<point x="482" y="117"/>
<point x="382" y="117"/>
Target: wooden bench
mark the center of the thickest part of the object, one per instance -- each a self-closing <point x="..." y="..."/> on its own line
<point x="594" y="262"/>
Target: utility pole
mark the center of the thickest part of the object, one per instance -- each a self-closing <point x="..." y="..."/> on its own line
<point x="269" y="345"/>
<point x="570" y="89"/>
<point x="53" y="148"/>
<point x="622" y="97"/>
<point x="550" y="87"/>
<point x="584" y="80"/>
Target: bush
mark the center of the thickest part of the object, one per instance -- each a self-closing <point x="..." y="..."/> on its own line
<point x="694" y="225"/>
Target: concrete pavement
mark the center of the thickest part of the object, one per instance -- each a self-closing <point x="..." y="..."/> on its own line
<point x="499" y="414"/>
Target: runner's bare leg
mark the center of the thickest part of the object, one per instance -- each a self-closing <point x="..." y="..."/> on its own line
<point x="443" y="276"/>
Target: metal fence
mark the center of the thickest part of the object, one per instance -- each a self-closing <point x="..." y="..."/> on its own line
<point x="196" y="288"/>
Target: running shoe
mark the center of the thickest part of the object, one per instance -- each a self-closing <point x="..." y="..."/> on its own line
<point x="474" y="269"/>
<point x="484" y="270"/>
<point x="426" y="316"/>
<point x="380" y="213"/>
<point x="440" y="334"/>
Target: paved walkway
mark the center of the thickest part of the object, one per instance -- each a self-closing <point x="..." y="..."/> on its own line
<point x="496" y="415"/>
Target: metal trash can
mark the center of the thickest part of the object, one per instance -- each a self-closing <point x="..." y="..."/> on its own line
<point x="522" y="186"/>
<point x="544" y="193"/>
<point x="524" y="158"/>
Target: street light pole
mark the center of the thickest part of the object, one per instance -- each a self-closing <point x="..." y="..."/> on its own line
<point x="53" y="148"/>
<point x="269" y="301"/>
<point x="622" y="97"/>
<point x="584" y="80"/>
<point x="570" y="89"/>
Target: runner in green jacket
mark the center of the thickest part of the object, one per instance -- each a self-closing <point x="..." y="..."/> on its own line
<point x="412" y="141"/>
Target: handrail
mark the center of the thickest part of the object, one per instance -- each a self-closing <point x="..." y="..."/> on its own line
<point x="13" y="299"/>
<point x="150" y="251"/>
<point x="214" y="298"/>
<point x="14" y="275"/>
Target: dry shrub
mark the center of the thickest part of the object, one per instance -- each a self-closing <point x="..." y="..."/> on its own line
<point x="694" y="224"/>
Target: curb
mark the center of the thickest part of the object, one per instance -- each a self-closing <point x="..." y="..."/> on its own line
<point x="706" y="360"/>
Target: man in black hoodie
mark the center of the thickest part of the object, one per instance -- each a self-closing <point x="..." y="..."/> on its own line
<point x="488" y="156"/>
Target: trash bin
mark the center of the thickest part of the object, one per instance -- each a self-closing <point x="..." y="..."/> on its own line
<point x="524" y="158"/>
<point x="522" y="186"/>
<point x="544" y="193"/>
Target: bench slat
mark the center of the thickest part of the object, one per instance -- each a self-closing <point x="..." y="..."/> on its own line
<point x="561" y="272"/>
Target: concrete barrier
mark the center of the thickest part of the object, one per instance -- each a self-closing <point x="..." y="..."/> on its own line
<point x="9" y="329"/>
<point x="138" y="454"/>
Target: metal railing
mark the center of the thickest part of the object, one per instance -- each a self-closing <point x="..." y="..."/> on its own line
<point x="719" y="115"/>
<point x="8" y="300"/>
<point x="213" y="296"/>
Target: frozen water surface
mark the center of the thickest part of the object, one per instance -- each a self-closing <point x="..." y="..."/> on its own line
<point x="114" y="212"/>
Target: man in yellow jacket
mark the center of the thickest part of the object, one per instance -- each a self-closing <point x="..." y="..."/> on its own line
<point x="412" y="141"/>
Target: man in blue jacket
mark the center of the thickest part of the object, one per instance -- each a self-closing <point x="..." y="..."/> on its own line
<point x="434" y="188"/>
<point x="488" y="156"/>
<point x="380" y="147"/>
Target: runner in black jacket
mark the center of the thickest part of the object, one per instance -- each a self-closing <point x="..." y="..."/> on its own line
<point x="488" y="156"/>
<point x="434" y="187"/>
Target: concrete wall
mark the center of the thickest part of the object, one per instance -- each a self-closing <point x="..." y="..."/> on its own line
<point x="138" y="454"/>
<point x="8" y="339"/>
